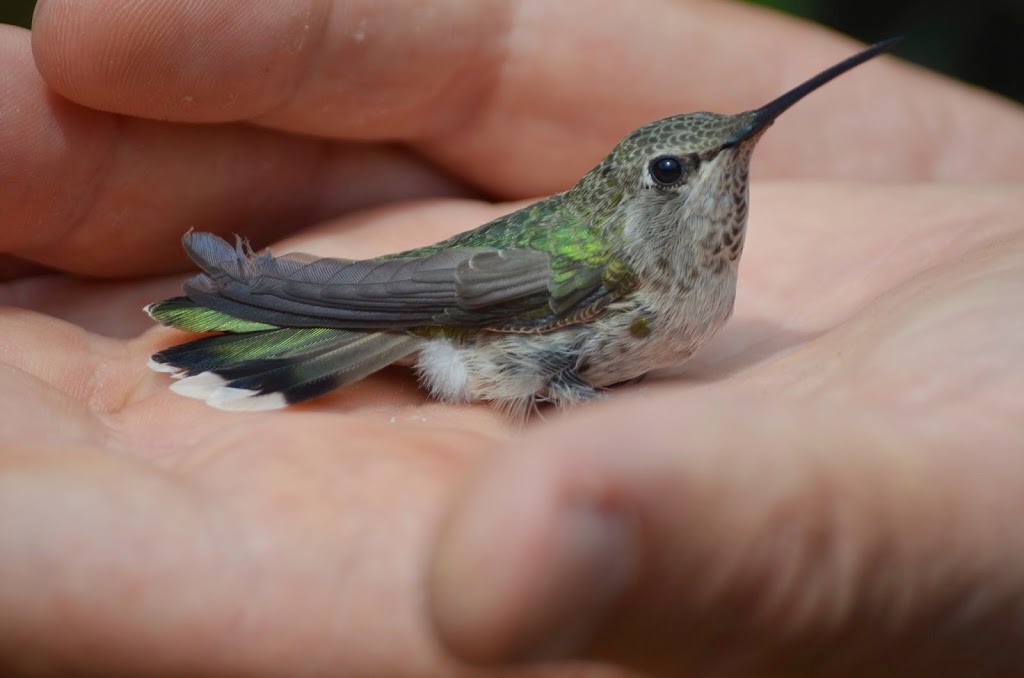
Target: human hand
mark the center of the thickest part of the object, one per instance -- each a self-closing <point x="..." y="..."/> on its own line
<point x="146" y="532"/>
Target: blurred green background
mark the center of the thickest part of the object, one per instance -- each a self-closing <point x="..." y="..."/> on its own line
<point x="980" y="41"/>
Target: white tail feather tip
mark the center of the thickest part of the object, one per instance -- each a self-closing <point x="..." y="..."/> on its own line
<point x="163" y="367"/>
<point x="244" y="400"/>
<point x="200" y="386"/>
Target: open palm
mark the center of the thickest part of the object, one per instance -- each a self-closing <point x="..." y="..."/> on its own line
<point x="876" y="336"/>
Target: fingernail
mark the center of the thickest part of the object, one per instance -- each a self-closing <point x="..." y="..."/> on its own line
<point x="590" y="570"/>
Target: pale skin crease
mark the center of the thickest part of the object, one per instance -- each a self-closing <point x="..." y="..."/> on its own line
<point x="843" y="459"/>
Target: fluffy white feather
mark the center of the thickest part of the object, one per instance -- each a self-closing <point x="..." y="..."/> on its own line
<point x="442" y="369"/>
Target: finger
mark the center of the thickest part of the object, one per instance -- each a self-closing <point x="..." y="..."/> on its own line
<point x="345" y="59"/>
<point x="694" y="534"/>
<point x="547" y="89"/>
<point x="104" y="195"/>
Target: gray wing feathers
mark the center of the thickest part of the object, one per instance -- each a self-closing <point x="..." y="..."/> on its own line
<point x="496" y="276"/>
<point x="389" y="292"/>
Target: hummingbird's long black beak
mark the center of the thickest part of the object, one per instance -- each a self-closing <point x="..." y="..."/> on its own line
<point x="764" y="116"/>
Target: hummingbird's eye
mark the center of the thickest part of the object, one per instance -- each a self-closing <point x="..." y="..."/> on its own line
<point x="667" y="170"/>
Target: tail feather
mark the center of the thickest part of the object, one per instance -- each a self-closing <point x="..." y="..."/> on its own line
<point x="272" y="369"/>
<point x="226" y="351"/>
<point x="315" y="375"/>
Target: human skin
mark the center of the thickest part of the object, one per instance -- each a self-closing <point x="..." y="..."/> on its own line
<point x="831" y="488"/>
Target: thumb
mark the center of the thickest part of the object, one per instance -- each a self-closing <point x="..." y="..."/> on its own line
<point x="674" y="536"/>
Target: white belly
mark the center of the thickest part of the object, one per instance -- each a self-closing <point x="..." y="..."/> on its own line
<point x="642" y="333"/>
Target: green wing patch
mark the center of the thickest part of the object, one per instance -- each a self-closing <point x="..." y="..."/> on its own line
<point x="184" y="314"/>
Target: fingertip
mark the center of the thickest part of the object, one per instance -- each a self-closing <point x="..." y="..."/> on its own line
<point x="532" y="559"/>
<point x="471" y="587"/>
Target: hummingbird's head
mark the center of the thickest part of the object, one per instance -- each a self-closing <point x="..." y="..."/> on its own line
<point x="690" y="171"/>
<point x="676" y="181"/>
<point x="700" y="156"/>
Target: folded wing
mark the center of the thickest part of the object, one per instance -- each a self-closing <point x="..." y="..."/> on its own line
<point x="466" y="286"/>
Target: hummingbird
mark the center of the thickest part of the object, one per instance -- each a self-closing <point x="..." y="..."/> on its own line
<point x="632" y="269"/>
